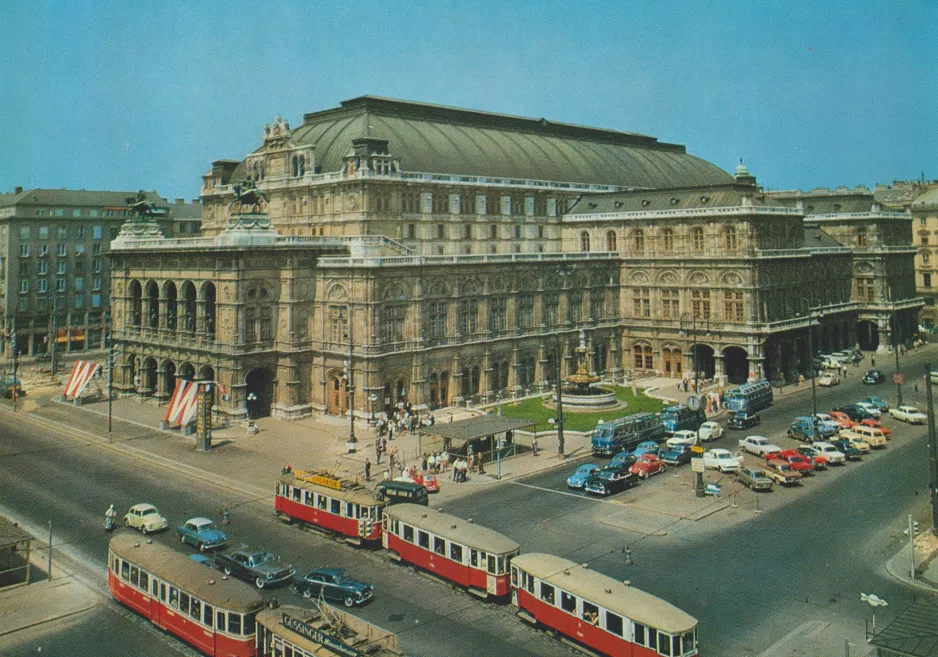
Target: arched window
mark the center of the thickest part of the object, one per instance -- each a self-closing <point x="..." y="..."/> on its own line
<point x="611" y="240"/>
<point x="584" y="241"/>
<point x="729" y="238"/>
<point x="697" y="238"/>
<point x="638" y="240"/>
<point x="667" y="240"/>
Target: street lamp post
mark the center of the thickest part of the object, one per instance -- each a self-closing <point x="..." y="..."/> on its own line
<point x="874" y="601"/>
<point x="558" y="422"/>
<point x="352" y="444"/>
<point x="698" y="476"/>
<point x="813" y="370"/>
<point x="250" y="399"/>
<point x="895" y="349"/>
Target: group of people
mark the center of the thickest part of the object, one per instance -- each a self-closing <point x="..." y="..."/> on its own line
<point x="401" y="418"/>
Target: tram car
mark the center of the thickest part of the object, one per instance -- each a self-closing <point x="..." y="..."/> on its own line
<point x="329" y="503"/>
<point x="597" y="611"/>
<point x="214" y="614"/>
<point x="292" y="631"/>
<point x="474" y="557"/>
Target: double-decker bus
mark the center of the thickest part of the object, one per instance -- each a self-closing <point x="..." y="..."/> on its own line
<point x="326" y="502"/>
<point x="597" y="611"/>
<point x="213" y="613"/>
<point x="678" y="418"/>
<point x="474" y="557"/>
<point x="626" y="432"/>
<point x="750" y="397"/>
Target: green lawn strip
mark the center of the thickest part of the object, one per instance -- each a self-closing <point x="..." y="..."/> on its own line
<point x="533" y="409"/>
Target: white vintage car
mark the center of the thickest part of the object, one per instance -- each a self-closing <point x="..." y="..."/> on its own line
<point x="146" y="518"/>
<point x="710" y="431"/>
<point x="682" y="438"/>
<point x="908" y="414"/>
<point x="722" y="459"/>
<point x="828" y="378"/>
<point x="758" y="445"/>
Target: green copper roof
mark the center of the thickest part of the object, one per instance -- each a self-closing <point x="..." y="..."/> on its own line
<point x="435" y="139"/>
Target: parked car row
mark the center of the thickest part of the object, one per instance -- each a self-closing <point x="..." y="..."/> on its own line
<point x="254" y="565"/>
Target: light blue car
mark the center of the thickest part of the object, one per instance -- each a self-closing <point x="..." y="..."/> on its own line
<point x="201" y="533"/>
<point x="584" y="472"/>
<point x="647" y="447"/>
<point x="878" y="402"/>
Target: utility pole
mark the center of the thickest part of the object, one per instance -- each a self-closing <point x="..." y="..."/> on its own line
<point x="351" y="445"/>
<point x="110" y="382"/>
<point x="15" y="392"/>
<point x="54" y="337"/>
<point x="932" y="450"/>
<point x="559" y="421"/>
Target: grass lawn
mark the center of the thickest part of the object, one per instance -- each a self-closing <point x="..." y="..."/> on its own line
<point x="532" y="409"/>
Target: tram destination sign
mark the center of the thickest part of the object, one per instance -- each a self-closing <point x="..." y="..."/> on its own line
<point x="318" y="636"/>
<point x="320" y="479"/>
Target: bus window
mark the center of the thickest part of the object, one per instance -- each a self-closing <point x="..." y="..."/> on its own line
<point x="408" y="533"/>
<point x="220" y="620"/>
<point x="423" y="540"/>
<point x="195" y="608"/>
<point x="614" y="623"/>
<point x="125" y="570"/>
<point x="439" y="546"/>
<point x="173" y="597"/>
<point x="547" y="593"/>
<point x="473" y="558"/>
<point x="184" y="602"/>
<point x="207" y="612"/>
<point x="144" y="581"/>
<point x="455" y="552"/>
<point x="568" y="603"/>
<point x="234" y="623"/>
<point x="335" y="507"/>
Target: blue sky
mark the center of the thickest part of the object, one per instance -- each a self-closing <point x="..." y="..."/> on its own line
<point x="128" y="95"/>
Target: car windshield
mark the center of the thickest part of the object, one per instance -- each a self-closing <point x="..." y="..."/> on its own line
<point x="261" y="557"/>
<point x="722" y="455"/>
<point x="341" y="576"/>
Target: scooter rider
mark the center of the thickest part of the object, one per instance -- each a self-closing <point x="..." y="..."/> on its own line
<point x="110" y="518"/>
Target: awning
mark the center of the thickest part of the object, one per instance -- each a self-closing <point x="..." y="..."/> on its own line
<point x="476" y="427"/>
<point x="12" y="534"/>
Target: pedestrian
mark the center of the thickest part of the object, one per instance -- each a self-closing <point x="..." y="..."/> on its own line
<point x="424" y="463"/>
<point x="470" y="454"/>
<point x="463" y="470"/>
<point x="391" y="432"/>
<point x="367" y="469"/>
<point x="387" y="475"/>
<point x="456" y="470"/>
<point x="872" y="360"/>
<point x="431" y="463"/>
<point x="479" y="465"/>
<point x="378" y="450"/>
<point x="534" y="444"/>
<point x="444" y="461"/>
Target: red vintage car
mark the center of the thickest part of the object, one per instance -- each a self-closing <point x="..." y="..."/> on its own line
<point x="842" y="419"/>
<point x="819" y="461"/>
<point x="800" y="464"/>
<point x="876" y="424"/>
<point x="647" y="465"/>
<point x="427" y="480"/>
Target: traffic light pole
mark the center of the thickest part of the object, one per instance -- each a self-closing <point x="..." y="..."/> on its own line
<point x="932" y="450"/>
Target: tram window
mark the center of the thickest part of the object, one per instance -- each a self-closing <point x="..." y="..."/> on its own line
<point x="640" y="634"/>
<point x="614" y="623"/>
<point x="163" y="592"/>
<point x="492" y="565"/>
<point x="125" y="570"/>
<point x="423" y="539"/>
<point x="144" y="581"/>
<point x="502" y="566"/>
<point x="195" y="608"/>
<point x="184" y="602"/>
<point x="134" y="575"/>
<point x="220" y="620"/>
<point x="528" y="582"/>
<point x="676" y="646"/>
<point x="439" y="545"/>
<point x="288" y="651"/>
<point x="408" y="533"/>
<point x="547" y="593"/>
<point x="568" y="603"/>
<point x="249" y="624"/>
<point x="689" y="642"/>
<point x="308" y="498"/>
<point x="652" y="638"/>
<point x="297" y="492"/>
<point x="514" y="577"/>
<point x="173" y="596"/>
<point x="455" y="552"/>
<point x="473" y="558"/>
<point x="234" y="623"/>
<point x="321" y="501"/>
<point x="590" y="613"/>
<point x="395" y="527"/>
<point x="335" y="507"/>
<point x="207" y="612"/>
<point x="351" y="510"/>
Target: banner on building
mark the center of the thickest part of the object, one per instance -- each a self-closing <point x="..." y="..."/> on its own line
<point x="82" y="372"/>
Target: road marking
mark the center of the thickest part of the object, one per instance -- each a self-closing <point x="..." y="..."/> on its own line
<point x="567" y="493"/>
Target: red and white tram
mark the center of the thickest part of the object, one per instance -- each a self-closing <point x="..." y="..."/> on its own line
<point x="472" y="556"/>
<point x="215" y="614"/>
<point x="597" y="611"/>
<point x="327" y="502"/>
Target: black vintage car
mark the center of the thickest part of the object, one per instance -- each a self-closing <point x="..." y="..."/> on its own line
<point x="257" y="566"/>
<point x="611" y="479"/>
<point x="873" y="377"/>
<point x="743" y="420"/>
<point x="334" y="585"/>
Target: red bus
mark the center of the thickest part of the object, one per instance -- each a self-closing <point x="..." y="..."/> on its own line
<point x="323" y="501"/>
<point x="474" y="557"/>
<point x="215" y="614"/>
<point x="597" y="611"/>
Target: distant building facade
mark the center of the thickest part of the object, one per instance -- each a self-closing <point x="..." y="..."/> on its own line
<point x="55" y="277"/>
<point x="411" y="253"/>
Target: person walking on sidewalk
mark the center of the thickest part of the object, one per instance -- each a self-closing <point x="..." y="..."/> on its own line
<point x="378" y="450"/>
<point x="479" y="466"/>
<point x="367" y="469"/>
<point x="534" y="444"/>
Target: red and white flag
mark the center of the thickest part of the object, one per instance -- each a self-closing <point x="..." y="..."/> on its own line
<point x="182" y="405"/>
<point x="82" y="371"/>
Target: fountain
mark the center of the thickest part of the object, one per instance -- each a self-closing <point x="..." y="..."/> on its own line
<point x="581" y="395"/>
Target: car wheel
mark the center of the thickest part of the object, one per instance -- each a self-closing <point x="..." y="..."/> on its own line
<point x="227" y="570"/>
<point x="126" y="522"/>
<point x="259" y="581"/>
<point x="308" y="592"/>
<point x="143" y="530"/>
<point x="201" y="547"/>
<point x="645" y="474"/>
<point x="182" y="538"/>
<point x="349" y="601"/>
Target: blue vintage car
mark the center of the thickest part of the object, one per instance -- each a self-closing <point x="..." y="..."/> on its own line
<point x="623" y="459"/>
<point x="878" y="402"/>
<point x="677" y="455"/>
<point x="584" y="472"/>
<point x="647" y="447"/>
<point x="334" y="585"/>
<point x="201" y="533"/>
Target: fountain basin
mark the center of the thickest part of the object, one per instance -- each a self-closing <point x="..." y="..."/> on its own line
<point x="596" y="399"/>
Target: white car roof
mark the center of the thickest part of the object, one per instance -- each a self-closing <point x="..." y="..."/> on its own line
<point x="199" y="521"/>
<point x="142" y="507"/>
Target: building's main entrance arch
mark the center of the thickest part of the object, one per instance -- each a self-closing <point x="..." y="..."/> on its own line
<point x="736" y="364"/>
<point x="258" y="392"/>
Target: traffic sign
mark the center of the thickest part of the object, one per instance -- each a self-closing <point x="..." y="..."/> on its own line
<point x="697" y="449"/>
<point x="696" y="465"/>
<point x="897" y="378"/>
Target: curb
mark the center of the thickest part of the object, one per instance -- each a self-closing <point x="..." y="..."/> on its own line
<point x="900" y="573"/>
